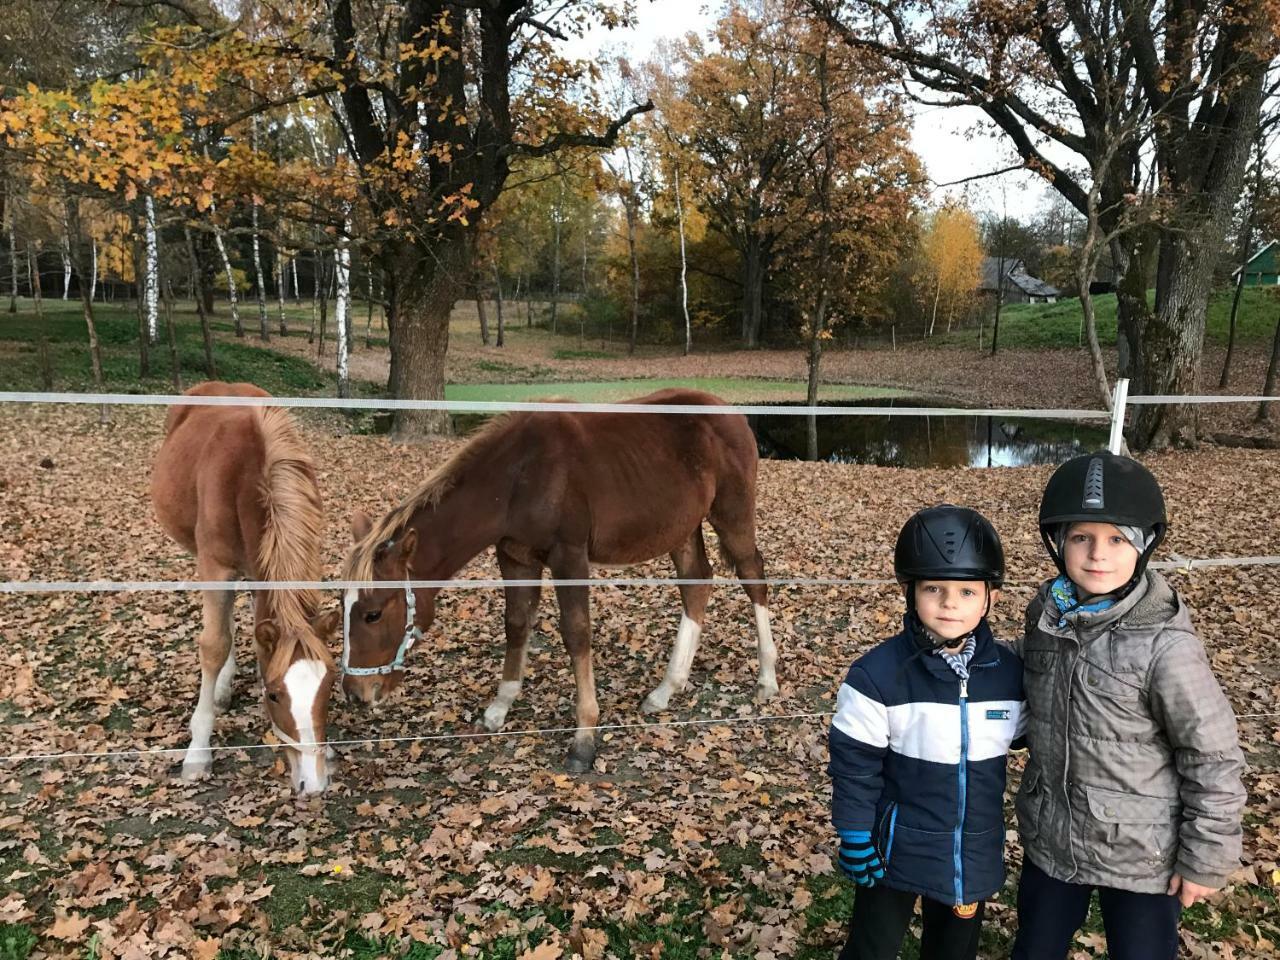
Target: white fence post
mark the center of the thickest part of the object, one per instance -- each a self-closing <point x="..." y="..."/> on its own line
<point x="1119" y="399"/>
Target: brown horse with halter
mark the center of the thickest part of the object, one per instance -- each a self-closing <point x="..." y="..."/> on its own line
<point x="237" y="488"/>
<point x="566" y="491"/>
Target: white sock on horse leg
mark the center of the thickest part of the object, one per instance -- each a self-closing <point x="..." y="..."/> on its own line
<point x="678" y="667"/>
<point x="495" y="715"/>
<point x="767" y="685"/>
<point x="199" y="757"/>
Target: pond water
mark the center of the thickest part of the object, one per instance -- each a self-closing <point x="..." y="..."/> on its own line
<point x="916" y="441"/>
<point x="904" y="441"/>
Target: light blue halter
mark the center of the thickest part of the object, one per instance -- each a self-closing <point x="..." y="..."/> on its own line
<point x="411" y="635"/>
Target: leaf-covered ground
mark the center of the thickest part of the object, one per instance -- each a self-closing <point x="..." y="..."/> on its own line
<point x="695" y="841"/>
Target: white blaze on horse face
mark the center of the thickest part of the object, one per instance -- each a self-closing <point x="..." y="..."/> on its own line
<point x="303" y="681"/>
<point x="678" y="667"/>
<point x="767" y="686"/>
<point x="495" y="715"/>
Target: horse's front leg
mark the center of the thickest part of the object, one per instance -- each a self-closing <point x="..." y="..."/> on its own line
<point x="521" y="604"/>
<point x="575" y="626"/>
<point x="215" y="648"/>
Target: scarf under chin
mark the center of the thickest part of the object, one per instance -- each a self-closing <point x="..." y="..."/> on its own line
<point x="1067" y="598"/>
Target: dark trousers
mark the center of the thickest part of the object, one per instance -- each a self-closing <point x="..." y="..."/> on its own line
<point x="1139" y="926"/>
<point x="881" y="917"/>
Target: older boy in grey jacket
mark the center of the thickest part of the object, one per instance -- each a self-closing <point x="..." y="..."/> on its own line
<point x="1132" y="786"/>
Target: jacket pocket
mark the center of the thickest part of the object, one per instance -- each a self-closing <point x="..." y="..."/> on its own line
<point x="1038" y="671"/>
<point x="884" y="831"/>
<point x="923" y="859"/>
<point x="1029" y="803"/>
<point x="983" y="863"/>
<point x="1130" y="834"/>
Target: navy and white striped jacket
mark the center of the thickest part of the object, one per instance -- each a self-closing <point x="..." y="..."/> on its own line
<point x="918" y="758"/>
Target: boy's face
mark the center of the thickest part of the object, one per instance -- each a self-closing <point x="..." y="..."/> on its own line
<point x="1098" y="557"/>
<point x="949" y="609"/>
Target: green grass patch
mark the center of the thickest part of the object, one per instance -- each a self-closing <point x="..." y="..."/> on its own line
<point x="117" y="325"/>
<point x="568" y="354"/>
<point x="1057" y="325"/>
<point x="17" y="940"/>
<point x="292" y="892"/>
<point x="609" y="391"/>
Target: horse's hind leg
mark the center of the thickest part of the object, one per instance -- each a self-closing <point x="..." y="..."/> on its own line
<point x="521" y="603"/>
<point x="691" y="564"/>
<point x="215" y="646"/>
<point x="736" y="529"/>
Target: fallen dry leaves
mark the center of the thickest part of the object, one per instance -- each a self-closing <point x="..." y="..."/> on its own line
<point x="466" y="843"/>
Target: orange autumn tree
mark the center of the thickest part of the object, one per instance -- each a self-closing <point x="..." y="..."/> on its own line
<point x="951" y="253"/>
<point x="745" y="112"/>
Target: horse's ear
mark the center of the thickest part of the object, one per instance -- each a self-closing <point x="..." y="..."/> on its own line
<point x="360" y="525"/>
<point x="266" y="633"/>
<point x="326" y="625"/>
<point x="408" y="545"/>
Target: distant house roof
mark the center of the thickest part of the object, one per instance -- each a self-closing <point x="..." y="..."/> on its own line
<point x="1015" y="272"/>
<point x="1260" y="262"/>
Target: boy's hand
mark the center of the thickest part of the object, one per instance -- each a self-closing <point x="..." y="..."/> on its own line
<point x="859" y="858"/>
<point x="1187" y="891"/>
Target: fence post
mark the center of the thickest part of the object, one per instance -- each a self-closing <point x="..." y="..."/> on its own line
<point x="1119" y="399"/>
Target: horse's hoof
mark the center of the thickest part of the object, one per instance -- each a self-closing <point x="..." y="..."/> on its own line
<point x="197" y="770"/>
<point x="581" y="759"/>
<point x="653" y="705"/>
<point x="766" y="691"/>
<point x="495" y="717"/>
<point x="222" y="701"/>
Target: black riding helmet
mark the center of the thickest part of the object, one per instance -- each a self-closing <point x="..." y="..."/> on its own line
<point x="1103" y="487"/>
<point x="948" y="543"/>
<point x="945" y="543"/>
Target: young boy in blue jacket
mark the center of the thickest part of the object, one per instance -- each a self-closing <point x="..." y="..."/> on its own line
<point x="922" y="726"/>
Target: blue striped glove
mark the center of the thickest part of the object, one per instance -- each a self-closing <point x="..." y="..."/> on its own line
<point x="859" y="858"/>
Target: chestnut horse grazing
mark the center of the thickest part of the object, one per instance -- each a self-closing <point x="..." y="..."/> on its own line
<point x="563" y="490"/>
<point x="236" y="487"/>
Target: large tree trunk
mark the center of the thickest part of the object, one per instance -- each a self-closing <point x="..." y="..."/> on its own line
<point x="427" y="287"/>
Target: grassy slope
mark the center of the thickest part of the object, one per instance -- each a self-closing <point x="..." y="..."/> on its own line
<point x="1058" y="324"/>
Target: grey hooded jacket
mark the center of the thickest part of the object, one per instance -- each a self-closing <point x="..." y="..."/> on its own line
<point x="1134" y="771"/>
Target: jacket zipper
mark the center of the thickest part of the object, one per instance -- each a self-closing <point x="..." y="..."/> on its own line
<point x="957" y="845"/>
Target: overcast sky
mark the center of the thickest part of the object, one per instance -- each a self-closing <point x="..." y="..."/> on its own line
<point x="942" y="137"/>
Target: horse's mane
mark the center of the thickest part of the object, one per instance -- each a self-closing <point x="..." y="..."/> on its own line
<point x="360" y="561"/>
<point x="292" y="533"/>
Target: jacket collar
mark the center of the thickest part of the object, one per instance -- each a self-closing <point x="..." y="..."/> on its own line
<point x="986" y="651"/>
